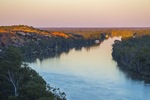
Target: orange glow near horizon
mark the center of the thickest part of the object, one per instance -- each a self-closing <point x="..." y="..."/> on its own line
<point x="76" y="13"/>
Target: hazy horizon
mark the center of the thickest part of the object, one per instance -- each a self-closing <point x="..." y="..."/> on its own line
<point x="76" y="13"/>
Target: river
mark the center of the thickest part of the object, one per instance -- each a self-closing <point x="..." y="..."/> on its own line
<point x="91" y="74"/>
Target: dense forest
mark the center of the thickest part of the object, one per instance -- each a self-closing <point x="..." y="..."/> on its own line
<point x="133" y="54"/>
<point x="20" y="82"/>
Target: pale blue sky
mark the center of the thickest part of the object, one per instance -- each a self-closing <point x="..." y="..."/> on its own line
<point x="76" y="13"/>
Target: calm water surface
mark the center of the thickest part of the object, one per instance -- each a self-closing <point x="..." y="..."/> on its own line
<point x="91" y="74"/>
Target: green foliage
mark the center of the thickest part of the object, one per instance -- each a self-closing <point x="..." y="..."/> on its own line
<point x="133" y="54"/>
<point x="19" y="82"/>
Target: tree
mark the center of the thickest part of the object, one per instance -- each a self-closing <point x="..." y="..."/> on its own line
<point x="19" y="82"/>
<point x="133" y="54"/>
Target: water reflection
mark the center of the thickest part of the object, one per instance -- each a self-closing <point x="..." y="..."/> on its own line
<point x="131" y="75"/>
<point x="90" y="74"/>
<point x="57" y="53"/>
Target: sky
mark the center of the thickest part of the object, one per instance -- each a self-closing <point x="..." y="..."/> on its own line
<point x="75" y="13"/>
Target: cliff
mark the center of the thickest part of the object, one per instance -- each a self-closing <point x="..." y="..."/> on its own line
<point x="32" y="41"/>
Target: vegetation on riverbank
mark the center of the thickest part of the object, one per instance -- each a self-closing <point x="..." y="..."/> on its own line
<point x="38" y="42"/>
<point x="33" y="42"/>
<point x="19" y="82"/>
<point x="133" y="54"/>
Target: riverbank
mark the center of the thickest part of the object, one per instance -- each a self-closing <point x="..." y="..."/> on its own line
<point x="133" y="54"/>
<point x="34" y="42"/>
